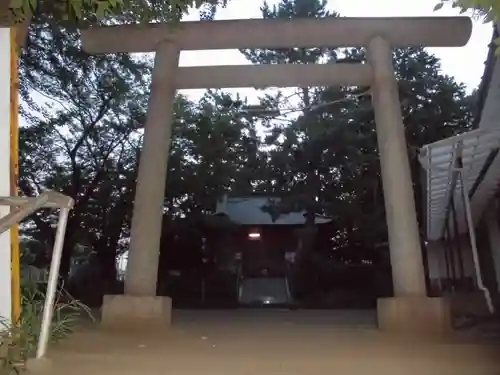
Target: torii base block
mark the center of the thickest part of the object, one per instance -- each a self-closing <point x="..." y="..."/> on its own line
<point x="136" y="312"/>
<point x="415" y="316"/>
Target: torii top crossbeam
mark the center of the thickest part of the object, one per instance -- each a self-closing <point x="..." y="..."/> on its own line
<point x="259" y="33"/>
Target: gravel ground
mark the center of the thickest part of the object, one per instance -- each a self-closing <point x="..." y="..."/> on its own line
<point x="249" y="342"/>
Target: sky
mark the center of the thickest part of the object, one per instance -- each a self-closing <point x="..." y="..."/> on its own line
<point x="466" y="64"/>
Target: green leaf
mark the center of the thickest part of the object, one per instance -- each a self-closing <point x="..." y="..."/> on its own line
<point x="101" y="10"/>
<point x="16" y="4"/>
<point x="438" y="6"/>
<point x="76" y="7"/>
<point x="115" y="3"/>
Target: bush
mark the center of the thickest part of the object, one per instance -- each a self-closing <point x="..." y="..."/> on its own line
<point x="19" y="339"/>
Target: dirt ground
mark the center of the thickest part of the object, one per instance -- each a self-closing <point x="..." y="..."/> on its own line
<point x="271" y="342"/>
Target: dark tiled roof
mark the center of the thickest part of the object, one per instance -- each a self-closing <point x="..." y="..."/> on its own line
<point x="249" y="211"/>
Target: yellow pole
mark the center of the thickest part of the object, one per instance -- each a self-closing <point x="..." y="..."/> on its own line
<point x="14" y="168"/>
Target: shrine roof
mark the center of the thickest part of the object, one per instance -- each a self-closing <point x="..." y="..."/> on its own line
<point x="249" y="210"/>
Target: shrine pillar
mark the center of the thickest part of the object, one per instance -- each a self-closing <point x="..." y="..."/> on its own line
<point x="140" y="300"/>
<point x="410" y="309"/>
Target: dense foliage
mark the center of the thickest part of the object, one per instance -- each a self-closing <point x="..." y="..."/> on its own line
<point x="487" y="9"/>
<point x="122" y="10"/>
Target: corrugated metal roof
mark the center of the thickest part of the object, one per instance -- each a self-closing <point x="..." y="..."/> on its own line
<point x="249" y="211"/>
<point x="440" y="161"/>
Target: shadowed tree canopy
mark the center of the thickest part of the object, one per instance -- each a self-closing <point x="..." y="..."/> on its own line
<point x="83" y="118"/>
<point x="80" y="135"/>
<point x="82" y="13"/>
<point x="489" y="10"/>
<point x="119" y="10"/>
<point x="323" y="156"/>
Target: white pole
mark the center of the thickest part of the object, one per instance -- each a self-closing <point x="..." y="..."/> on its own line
<point x="5" y="240"/>
<point x="142" y="267"/>
<point x="48" y="307"/>
<point x="473" y="244"/>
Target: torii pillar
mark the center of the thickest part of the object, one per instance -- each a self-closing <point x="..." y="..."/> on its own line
<point x="410" y="310"/>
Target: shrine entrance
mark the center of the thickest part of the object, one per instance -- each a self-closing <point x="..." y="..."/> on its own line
<point x="410" y="309"/>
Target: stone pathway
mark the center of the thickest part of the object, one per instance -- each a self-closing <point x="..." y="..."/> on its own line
<point x="255" y="342"/>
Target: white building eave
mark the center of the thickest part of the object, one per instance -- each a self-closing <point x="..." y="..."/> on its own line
<point x="481" y="161"/>
<point x="440" y="160"/>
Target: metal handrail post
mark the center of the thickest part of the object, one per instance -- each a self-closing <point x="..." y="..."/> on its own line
<point x="21" y="212"/>
<point x="26" y="206"/>
<point x="48" y="307"/>
<point x="456" y="242"/>
<point x="449" y="280"/>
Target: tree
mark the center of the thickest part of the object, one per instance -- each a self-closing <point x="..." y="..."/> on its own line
<point x="215" y="150"/>
<point x="83" y="126"/>
<point x="81" y="136"/>
<point x="325" y="159"/>
<point x="434" y="107"/>
<point x="486" y="9"/>
<point x="141" y="10"/>
<point x="296" y="148"/>
<point x="82" y="13"/>
<point x="301" y="153"/>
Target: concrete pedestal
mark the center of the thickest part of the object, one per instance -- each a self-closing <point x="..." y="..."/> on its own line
<point x="419" y="316"/>
<point x="125" y="311"/>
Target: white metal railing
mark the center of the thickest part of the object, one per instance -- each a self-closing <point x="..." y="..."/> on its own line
<point x="459" y="180"/>
<point x="24" y="207"/>
<point x="439" y="159"/>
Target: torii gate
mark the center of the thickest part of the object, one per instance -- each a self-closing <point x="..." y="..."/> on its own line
<point x="409" y="309"/>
